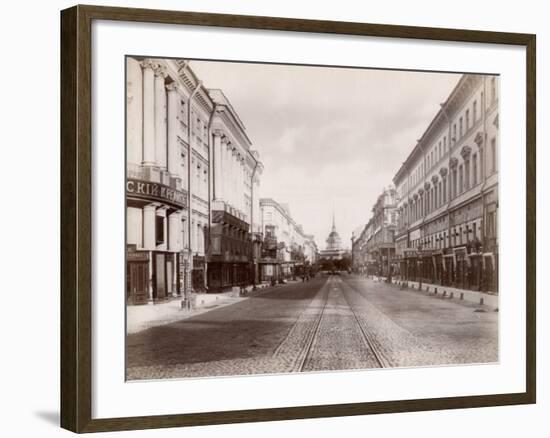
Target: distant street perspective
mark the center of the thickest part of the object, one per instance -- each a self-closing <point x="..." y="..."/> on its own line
<point x="288" y="218"/>
<point x="331" y="322"/>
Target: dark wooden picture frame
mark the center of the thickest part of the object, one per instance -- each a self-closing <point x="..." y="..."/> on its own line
<point x="76" y="218"/>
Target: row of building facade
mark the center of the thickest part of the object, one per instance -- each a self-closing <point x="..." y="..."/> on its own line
<point x="287" y="251"/>
<point x="438" y="222"/>
<point x="195" y="220"/>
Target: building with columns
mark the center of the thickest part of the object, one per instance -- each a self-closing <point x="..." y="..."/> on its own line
<point x="380" y="245"/>
<point x="235" y="229"/>
<point x="447" y="228"/>
<point x="361" y="259"/>
<point x="178" y="219"/>
<point x="373" y="245"/>
<point x="287" y="251"/>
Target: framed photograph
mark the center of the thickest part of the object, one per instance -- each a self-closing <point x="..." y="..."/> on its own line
<point x="269" y="218"/>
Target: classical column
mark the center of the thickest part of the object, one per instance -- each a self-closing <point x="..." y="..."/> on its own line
<point x="228" y="190"/>
<point x="149" y="213"/>
<point x="160" y="117"/>
<point x="218" y="160"/>
<point x="174" y="231"/>
<point x="174" y="155"/>
<point x="235" y="178"/>
<point x="243" y="187"/>
<point x="148" y="113"/>
<point x="134" y="115"/>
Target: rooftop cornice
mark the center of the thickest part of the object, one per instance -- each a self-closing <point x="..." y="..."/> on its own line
<point x="461" y="92"/>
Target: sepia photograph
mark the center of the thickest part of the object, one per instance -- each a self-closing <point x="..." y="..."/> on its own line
<point x="286" y="218"/>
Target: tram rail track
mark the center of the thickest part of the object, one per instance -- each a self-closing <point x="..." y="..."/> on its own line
<point x="379" y="356"/>
<point x="302" y="345"/>
<point x="307" y="352"/>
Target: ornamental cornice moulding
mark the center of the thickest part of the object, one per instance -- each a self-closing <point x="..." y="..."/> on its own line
<point x="147" y="63"/>
<point x="160" y="70"/>
<point x="479" y="139"/>
<point x="465" y="151"/>
<point x="171" y="87"/>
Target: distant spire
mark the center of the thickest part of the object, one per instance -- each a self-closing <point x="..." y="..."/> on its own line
<point x="333" y="221"/>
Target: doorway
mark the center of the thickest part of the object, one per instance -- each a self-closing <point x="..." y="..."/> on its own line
<point x="137" y="283"/>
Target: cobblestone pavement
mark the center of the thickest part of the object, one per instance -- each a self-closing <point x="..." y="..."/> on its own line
<point x="339" y="343"/>
<point x="415" y="329"/>
<point x="341" y="323"/>
<point x="238" y="339"/>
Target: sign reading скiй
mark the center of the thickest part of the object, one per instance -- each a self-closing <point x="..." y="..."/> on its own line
<point x="155" y="192"/>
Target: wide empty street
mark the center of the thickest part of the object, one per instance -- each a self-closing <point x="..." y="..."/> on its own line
<point x="335" y="322"/>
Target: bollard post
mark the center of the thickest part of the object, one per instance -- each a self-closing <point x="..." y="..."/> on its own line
<point x="435" y="291"/>
<point x="451" y="295"/>
<point x="461" y="295"/>
<point x="444" y="293"/>
<point x="481" y="301"/>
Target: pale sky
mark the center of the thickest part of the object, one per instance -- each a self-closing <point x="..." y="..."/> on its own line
<point x="328" y="137"/>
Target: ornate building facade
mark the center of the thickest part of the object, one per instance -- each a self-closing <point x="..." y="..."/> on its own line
<point x="373" y="246"/>
<point x="191" y="186"/>
<point x="235" y="228"/>
<point x="447" y="229"/>
<point x="287" y="251"/>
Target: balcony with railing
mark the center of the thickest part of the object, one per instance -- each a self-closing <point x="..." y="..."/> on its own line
<point x="153" y="184"/>
<point x="151" y="174"/>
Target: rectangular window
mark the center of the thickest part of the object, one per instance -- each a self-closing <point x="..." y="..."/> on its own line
<point x="493" y="90"/>
<point x="444" y="189"/>
<point x="445" y="145"/>
<point x="474" y="169"/>
<point x="460" y="179"/>
<point x="159" y="230"/>
<point x="460" y="127"/>
<point x="467" y="120"/>
<point x="481" y="164"/>
<point x="454" y="183"/>
<point x="454" y="133"/>
<point x="439" y="153"/>
<point x="474" y="115"/>
<point x="466" y="174"/>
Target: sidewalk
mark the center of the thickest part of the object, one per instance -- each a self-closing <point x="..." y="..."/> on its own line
<point x="453" y="293"/>
<point x="142" y="317"/>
